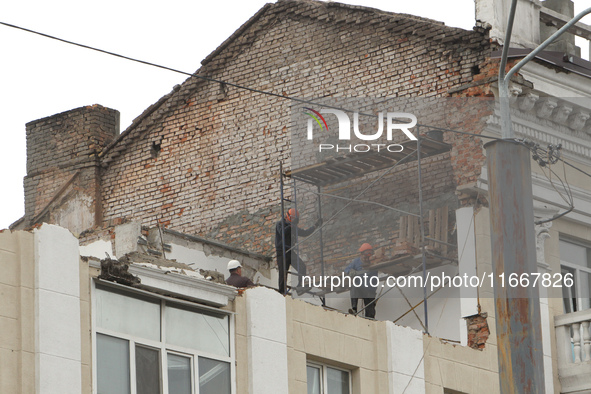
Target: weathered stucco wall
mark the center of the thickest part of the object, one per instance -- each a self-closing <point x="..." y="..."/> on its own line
<point x="43" y="316"/>
<point x="276" y="336"/>
<point x="17" y="312"/>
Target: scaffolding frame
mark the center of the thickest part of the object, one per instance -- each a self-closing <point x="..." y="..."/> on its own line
<point x="357" y="165"/>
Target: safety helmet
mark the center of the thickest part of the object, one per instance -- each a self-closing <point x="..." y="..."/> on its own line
<point x="233" y="264"/>
<point x="365" y="247"/>
<point x="292" y="214"/>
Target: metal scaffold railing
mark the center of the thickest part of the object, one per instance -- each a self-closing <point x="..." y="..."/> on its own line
<point x="334" y="171"/>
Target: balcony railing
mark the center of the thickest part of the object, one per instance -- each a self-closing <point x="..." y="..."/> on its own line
<point x="573" y="346"/>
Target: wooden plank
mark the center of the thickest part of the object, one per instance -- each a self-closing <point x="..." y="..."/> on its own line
<point x="345" y="169"/>
<point x="304" y="169"/>
<point x="354" y="165"/>
<point x="403" y="265"/>
<point x="402" y="228"/>
<point x="358" y="167"/>
<point x="434" y="245"/>
<point x="396" y="261"/>
<point x="305" y="177"/>
<point x="410" y="232"/>
<point x="437" y="234"/>
<point x="328" y="174"/>
<point x="444" y="225"/>
<point x="417" y="233"/>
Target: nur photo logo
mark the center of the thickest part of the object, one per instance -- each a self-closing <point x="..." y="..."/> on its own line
<point x="396" y="122"/>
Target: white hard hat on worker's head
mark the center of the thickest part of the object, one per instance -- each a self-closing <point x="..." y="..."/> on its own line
<point x="233" y="264"/>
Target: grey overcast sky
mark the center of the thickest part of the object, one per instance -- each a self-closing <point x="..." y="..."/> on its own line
<point x="40" y="77"/>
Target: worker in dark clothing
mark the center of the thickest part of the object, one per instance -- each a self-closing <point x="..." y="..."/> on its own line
<point x="360" y="267"/>
<point x="236" y="279"/>
<point x="283" y="232"/>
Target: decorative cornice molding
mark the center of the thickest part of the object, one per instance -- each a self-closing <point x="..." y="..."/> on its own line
<point x="534" y="126"/>
<point x="177" y="285"/>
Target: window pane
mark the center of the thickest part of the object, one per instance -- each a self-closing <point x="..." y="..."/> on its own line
<point x="112" y="359"/>
<point x="573" y="253"/>
<point x="313" y="379"/>
<point x="337" y="381"/>
<point x="196" y="330"/>
<point x="214" y="376"/>
<point x="179" y="374"/>
<point x="128" y="314"/>
<point x="584" y="290"/>
<point x="569" y="294"/>
<point x="147" y="370"/>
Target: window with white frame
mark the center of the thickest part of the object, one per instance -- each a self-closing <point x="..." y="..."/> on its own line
<point x="324" y="379"/>
<point x="149" y="345"/>
<point x="575" y="259"/>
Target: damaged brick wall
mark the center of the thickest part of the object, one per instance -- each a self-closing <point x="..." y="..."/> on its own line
<point x="206" y="160"/>
<point x="62" y="181"/>
<point x="478" y="331"/>
<point x="360" y="222"/>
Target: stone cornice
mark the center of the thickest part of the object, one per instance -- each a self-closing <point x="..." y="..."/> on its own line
<point x="177" y="285"/>
<point x="550" y="120"/>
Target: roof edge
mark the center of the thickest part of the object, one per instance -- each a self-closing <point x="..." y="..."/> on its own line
<point x="137" y="121"/>
<point x="236" y="34"/>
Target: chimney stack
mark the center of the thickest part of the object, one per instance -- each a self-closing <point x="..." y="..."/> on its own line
<point x="62" y="185"/>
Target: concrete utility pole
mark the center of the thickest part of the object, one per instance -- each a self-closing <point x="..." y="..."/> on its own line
<point x="519" y="334"/>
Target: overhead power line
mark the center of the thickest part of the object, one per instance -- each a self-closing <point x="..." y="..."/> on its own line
<point x="254" y="90"/>
<point x="281" y="96"/>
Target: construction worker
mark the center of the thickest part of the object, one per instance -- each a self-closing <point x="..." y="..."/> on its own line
<point x="360" y="267"/>
<point x="283" y="231"/>
<point x="236" y="279"/>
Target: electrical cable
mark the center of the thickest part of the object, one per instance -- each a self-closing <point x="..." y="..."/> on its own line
<point x="529" y="144"/>
<point x="359" y="182"/>
<point x="157" y="65"/>
<point x="572" y="166"/>
<point x="547" y="158"/>
<point x="570" y="202"/>
<point x="426" y="349"/>
<point x="412" y="271"/>
<point x="349" y="203"/>
<point x="363" y="202"/>
<point x="254" y="90"/>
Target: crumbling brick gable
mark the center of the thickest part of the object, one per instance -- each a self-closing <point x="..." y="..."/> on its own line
<point x="62" y="166"/>
<point x="205" y="160"/>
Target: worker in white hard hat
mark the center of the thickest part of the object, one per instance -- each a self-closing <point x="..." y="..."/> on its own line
<point x="236" y="279"/>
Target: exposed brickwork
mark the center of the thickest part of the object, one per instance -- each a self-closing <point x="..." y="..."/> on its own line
<point x="467" y="156"/>
<point x="478" y="331"/>
<point x="359" y="222"/>
<point x="205" y="158"/>
<point x="62" y="162"/>
<point x="217" y="171"/>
